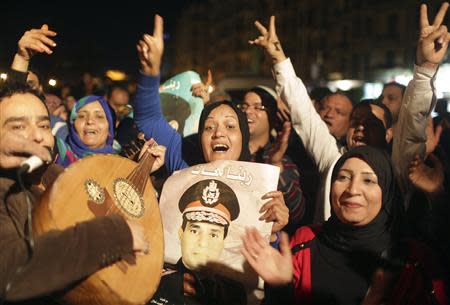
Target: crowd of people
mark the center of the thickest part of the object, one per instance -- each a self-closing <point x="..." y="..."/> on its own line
<point x="372" y="230"/>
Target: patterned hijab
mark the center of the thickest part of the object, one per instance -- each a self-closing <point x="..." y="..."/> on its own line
<point x="73" y="148"/>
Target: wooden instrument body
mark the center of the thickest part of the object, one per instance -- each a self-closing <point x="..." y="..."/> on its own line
<point x="66" y="203"/>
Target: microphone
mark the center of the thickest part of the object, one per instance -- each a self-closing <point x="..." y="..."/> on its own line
<point x="30" y="164"/>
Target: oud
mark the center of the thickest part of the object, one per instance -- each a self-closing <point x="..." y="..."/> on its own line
<point x="99" y="185"/>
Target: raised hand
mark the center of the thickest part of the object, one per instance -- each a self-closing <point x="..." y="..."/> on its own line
<point x="283" y="112"/>
<point x="433" y="39"/>
<point x="269" y="41"/>
<point x="274" y="267"/>
<point x="36" y="40"/>
<point x="151" y="48"/>
<point x="280" y="146"/>
<point x="202" y="89"/>
<point x="157" y="151"/>
<point x="275" y="210"/>
<point x="33" y="41"/>
<point x="429" y="180"/>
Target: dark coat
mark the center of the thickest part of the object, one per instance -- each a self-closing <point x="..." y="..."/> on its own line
<point x="211" y="289"/>
<point x="60" y="258"/>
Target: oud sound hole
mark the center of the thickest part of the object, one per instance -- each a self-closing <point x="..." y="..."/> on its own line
<point x="94" y="191"/>
<point x="128" y="198"/>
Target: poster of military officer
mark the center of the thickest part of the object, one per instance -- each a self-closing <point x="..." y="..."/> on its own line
<point x="206" y="208"/>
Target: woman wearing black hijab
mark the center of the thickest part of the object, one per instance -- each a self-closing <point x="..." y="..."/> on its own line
<point x="223" y="135"/>
<point x="335" y="263"/>
<point x="204" y="131"/>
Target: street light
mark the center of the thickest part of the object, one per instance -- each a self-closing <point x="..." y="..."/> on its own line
<point x="116" y="75"/>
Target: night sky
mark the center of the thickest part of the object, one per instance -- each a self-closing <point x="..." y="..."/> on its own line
<point x="90" y="38"/>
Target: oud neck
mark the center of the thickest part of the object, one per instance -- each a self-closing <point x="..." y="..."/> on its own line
<point x="139" y="176"/>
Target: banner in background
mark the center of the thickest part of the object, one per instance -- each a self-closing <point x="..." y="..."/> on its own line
<point x="180" y="108"/>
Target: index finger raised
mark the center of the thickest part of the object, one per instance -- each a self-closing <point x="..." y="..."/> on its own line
<point x="423" y="16"/>
<point x="158" y="27"/>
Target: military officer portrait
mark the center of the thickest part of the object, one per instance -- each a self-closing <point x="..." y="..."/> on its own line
<point x="208" y="207"/>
